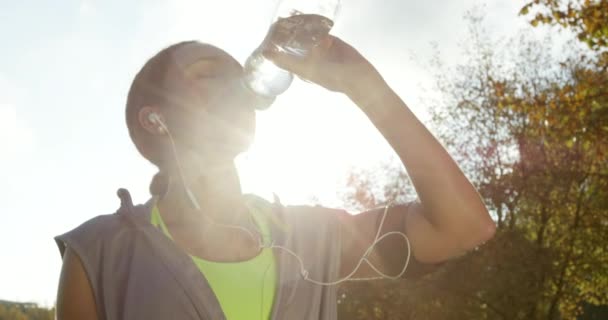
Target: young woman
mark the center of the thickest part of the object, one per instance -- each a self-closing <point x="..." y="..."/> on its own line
<point x="200" y="249"/>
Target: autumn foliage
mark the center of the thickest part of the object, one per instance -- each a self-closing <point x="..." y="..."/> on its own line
<point x="530" y="129"/>
<point x="587" y="18"/>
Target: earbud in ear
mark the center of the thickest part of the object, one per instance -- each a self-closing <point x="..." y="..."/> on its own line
<point x="155" y="118"/>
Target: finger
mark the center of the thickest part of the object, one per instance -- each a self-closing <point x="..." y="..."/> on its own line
<point x="297" y="65"/>
<point x="279" y="58"/>
<point x="320" y="50"/>
<point x="327" y="42"/>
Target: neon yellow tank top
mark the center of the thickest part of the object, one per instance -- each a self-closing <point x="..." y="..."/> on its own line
<point x="246" y="289"/>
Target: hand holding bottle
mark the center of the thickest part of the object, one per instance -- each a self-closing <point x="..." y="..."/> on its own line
<point x="298" y="26"/>
<point x="333" y="64"/>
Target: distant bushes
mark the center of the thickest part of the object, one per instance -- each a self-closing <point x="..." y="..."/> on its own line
<point x="24" y="311"/>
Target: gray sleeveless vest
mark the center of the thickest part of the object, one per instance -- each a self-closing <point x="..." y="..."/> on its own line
<point x="136" y="272"/>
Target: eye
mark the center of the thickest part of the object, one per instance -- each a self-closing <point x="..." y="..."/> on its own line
<point x="207" y="74"/>
<point x="217" y="71"/>
<point x="203" y="69"/>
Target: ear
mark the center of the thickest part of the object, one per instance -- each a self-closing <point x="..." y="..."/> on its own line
<point x="148" y="122"/>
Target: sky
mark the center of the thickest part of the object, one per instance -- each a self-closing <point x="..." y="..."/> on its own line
<point x="66" y="68"/>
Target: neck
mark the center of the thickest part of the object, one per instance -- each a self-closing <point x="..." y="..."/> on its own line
<point x="218" y="195"/>
<point x="221" y="202"/>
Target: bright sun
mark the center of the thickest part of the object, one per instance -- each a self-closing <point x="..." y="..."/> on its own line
<point x="306" y="143"/>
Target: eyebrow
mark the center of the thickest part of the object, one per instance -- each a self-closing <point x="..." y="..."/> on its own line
<point x="183" y="57"/>
<point x="200" y="64"/>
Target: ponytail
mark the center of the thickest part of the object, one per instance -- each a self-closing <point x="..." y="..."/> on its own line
<point x="159" y="185"/>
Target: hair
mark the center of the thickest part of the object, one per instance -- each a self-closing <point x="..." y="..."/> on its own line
<point x="150" y="88"/>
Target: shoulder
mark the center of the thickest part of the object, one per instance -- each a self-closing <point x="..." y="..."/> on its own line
<point x="82" y="251"/>
<point x="284" y="216"/>
<point x="99" y="225"/>
<point x="314" y="224"/>
<point x="90" y="232"/>
<point x="314" y="214"/>
<point x="99" y="230"/>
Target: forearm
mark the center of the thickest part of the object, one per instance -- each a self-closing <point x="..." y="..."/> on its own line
<point x="451" y="204"/>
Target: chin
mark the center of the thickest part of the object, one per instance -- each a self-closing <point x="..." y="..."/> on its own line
<point x="232" y="150"/>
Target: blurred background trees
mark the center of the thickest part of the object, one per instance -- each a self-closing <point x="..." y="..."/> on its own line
<point x="528" y="123"/>
<point x="24" y="311"/>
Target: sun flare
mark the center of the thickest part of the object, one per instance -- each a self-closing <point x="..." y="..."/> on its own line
<point x="306" y="143"/>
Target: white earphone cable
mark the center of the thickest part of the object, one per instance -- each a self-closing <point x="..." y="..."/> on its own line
<point x="305" y="274"/>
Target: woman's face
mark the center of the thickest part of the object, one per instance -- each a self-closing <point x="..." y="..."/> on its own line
<point x="211" y="112"/>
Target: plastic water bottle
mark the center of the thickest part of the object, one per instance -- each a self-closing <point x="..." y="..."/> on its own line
<point x="297" y="27"/>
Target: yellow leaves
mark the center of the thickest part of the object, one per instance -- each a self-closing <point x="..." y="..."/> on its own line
<point x="525" y="10"/>
<point x="586" y="145"/>
<point x="589" y="19"/>
<point x="570" y="143"/>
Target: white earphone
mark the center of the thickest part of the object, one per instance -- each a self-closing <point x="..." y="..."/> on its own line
<point x="155" y="118"/>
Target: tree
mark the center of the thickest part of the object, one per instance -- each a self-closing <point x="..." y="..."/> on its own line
<point x="540" y="154"/>
<point x="530" y="131"/>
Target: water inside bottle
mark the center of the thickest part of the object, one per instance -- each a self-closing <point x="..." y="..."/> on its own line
<point x="295" y="35"/>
